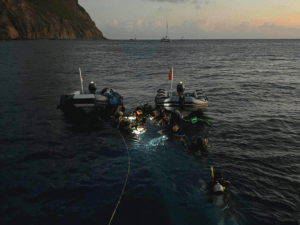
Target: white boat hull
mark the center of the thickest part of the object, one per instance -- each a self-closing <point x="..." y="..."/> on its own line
<point x="195" y="100"/>
<point x="90" y="102"/>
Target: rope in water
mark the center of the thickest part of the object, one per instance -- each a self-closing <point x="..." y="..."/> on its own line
<point x="125" y="180"/>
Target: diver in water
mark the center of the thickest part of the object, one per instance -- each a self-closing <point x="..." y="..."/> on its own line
<point x="118" y="109"/>
<point x="176" y="131"/>
<point x="138" y="111"/>
<point x="157" y="116"/>
<point x="120" y="123"/>
<point x="166" y="121"/>
<point x="147" y="110"/>
<point x="199" y="147"/>
<point x="111" y="111"/>
<point x="218" y="190"/>
<point x="124" y="125"/>
<point x="141" y="119"/>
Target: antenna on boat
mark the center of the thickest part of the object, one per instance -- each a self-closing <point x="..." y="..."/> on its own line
<point x="81" y="80"/>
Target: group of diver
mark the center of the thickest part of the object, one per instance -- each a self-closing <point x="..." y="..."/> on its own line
<point x="171" y="123"/>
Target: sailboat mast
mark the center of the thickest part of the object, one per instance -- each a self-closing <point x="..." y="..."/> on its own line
<point x="167" y="30"/>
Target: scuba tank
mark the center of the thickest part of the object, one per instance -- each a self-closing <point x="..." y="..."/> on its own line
<point x="218" y="194"/>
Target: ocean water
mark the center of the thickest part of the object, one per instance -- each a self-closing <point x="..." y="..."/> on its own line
<point x="60" y="170"/>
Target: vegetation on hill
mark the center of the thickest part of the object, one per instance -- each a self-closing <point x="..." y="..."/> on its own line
<point x="56" y="7"/>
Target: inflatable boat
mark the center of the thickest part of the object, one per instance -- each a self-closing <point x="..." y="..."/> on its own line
<point x="91" y="100"/>
<point x="181" y="100"/>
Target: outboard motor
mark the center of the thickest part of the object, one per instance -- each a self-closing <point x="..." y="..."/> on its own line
<point x="180" y="92"/>
<point x="180" y="88"/>
<point x="92" y="87"/>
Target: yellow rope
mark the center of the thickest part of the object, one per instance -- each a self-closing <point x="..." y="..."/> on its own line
<point x="125" y="180"/>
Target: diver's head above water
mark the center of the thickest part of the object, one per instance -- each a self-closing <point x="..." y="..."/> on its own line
<point x="139" y="112"/>
<point x="147" y="109"/>
<point x="218" y="175"/>
<point x="175" y="127"/>
<point x="167" y="117"/>
<point x="156" y="113"/>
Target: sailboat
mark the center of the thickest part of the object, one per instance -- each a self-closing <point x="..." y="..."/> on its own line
<point x="182" y="39"/>
<point x="134" y="38"/>
<point x="166" y="39"/>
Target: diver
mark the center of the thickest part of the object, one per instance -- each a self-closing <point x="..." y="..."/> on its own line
<point x="138" y="111"/>
<point x="111" y="111"/>
<point x="157" y="115"/>
<point x="218" y="190"/>
<point x="118" y="109"/>
<point x="166" y="120"/>
<point x="162" y="110"/>
<point x="120" y="123"/>
<point x="117" y="120"/>
<point x="140" y="119"/>
<point x="176" y="131"/>
<point x="147" y="109"/>
<point x="199" y="147"/>
<point x="124" y="125"/>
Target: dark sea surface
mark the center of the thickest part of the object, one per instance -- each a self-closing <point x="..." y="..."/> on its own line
<point x="57" y="170"/>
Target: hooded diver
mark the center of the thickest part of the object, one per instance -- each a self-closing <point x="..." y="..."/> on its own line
<point x="199" y="147"/>
<point x="147" y="109"/>
<point x="176" y="131"/>
<point x="218" y="190"/>
<point x="138" y="111"/>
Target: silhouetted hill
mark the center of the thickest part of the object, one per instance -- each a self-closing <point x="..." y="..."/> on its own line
<point x="46" y="19"/>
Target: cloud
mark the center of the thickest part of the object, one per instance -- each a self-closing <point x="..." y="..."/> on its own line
<point x="205" y="25"/>
<point x="195" y="2"/>
<point x="132" y="24"/>
<point x="158" y="23"/>
<point x="222" y="27"/>
<point x="138" y="22"/>
<point x="171" y="1"/>
<point x="200" y="29"/>
<point x="162" y="9"/>
<point x="272" y="30"/>
<point x="201" y="23"/>
<point x="243" y="27"/>
<point x="202" y="2"/>
<point x="115" y="22"/>
<point x="268" y="30"/>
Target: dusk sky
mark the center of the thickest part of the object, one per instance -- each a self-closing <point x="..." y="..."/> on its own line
<point x="195" y="19"/>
